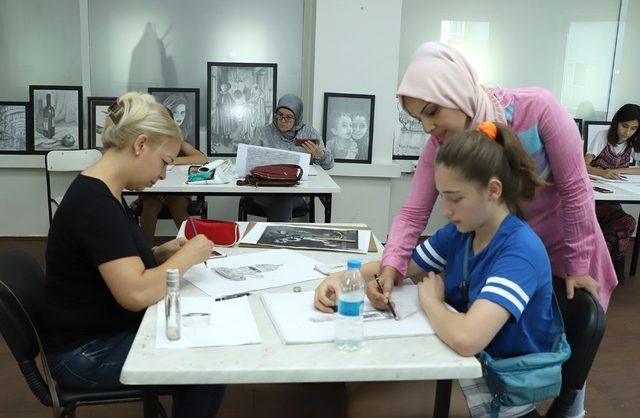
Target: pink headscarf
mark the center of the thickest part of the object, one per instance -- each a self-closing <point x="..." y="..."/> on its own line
<point x="440" y="74"/>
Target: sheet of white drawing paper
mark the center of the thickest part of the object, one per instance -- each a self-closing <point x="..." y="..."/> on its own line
<point x="229" y="322"/>
<point x="291" y="315"/>
<point x="253" y="271"/>
<point x="250" y="156"/>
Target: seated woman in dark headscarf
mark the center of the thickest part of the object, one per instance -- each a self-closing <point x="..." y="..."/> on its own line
<point x="287" y="126"/>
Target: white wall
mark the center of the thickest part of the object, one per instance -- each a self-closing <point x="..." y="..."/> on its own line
<point x="356" y="51"/>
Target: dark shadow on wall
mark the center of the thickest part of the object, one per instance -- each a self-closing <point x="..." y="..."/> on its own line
<point x="150" y="64"/>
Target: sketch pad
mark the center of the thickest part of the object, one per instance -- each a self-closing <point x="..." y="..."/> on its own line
<point x="291" y="313"/>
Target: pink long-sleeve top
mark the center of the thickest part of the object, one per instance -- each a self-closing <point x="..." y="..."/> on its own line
<point x="563" y="213"/>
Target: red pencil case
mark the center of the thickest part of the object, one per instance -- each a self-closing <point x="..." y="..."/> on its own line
<point x="222" y="233"/>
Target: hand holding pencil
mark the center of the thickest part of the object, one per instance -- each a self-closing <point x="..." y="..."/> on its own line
<point x="379" y="297"/>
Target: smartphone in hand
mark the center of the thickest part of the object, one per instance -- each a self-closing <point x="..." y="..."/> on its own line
<point x="300" y="141"/>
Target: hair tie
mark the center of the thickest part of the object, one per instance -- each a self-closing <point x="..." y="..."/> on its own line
<point x="488" y="128"/>
<point x="115" y="112"/>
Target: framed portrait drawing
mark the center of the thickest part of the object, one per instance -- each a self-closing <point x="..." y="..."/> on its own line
<point x="241" y="97"/>
<point x="347" y="127"/>
<point x="14" y="128"/>
<point x="408" y="137"/>
<point x="591" y="129"/>
<point x="56" y="117"/>
<point x="98" y="110"/>
<point x="184" y="105"/>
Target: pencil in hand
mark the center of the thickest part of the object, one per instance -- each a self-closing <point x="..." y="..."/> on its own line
<point x="393" y="312"/>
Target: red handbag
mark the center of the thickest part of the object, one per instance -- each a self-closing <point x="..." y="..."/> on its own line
<point x="222" y="233"/>
<point x="274" y="175"/>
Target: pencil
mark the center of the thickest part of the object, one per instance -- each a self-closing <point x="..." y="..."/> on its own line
<point x="393" y="312"/>
<point x="193" y="226"/>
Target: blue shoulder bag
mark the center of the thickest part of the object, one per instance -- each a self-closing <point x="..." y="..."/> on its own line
<point x="526" y="379"/>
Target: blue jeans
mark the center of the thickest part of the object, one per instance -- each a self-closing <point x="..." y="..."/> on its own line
<point x="98" y="363"/>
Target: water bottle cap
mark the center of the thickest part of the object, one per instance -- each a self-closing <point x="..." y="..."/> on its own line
<point x="354" y="264"/>
<point x="173" y="276"/>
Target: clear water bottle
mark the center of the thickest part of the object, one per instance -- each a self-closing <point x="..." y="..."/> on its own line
<point x="349" y="325"/>
<point x="172" y="304"/>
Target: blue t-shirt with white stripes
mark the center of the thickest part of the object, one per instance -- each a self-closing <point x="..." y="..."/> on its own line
<point x="513" y="270"/>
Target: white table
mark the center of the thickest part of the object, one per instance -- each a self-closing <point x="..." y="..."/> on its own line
<point x="321" y="186"/>
<point x="628" y="195"/>
<point x="411" y="358"/>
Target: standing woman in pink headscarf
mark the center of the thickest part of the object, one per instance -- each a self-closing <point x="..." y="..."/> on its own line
<point x="441" y="90"/>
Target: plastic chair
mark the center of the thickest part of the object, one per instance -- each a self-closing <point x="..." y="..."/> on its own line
<point x="21" y="297"/>
<point x="73" y="161"/>
<point x="247" y="206"/>
<point x="585" y="323"/>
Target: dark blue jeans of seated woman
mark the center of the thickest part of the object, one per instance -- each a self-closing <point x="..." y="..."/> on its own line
<point x="98" y="363"/>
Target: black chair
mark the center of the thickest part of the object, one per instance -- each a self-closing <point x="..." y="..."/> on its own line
<point x="248" y="206"/>
<point x="584" y="322"/>
<point x="196" y="207"/>
<point x="21" y="297"/>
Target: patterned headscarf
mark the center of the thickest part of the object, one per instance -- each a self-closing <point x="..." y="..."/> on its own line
<point x="294" y="104"/>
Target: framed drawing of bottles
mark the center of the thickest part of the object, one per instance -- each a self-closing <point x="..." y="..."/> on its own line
<point x="56" y="117"/>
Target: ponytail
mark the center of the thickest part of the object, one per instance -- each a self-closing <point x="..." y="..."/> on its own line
<point x="494" y="151"/>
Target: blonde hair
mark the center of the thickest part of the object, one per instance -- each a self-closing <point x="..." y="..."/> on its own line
<point x="140" y="114"/>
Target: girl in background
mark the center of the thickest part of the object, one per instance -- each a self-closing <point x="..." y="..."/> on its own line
<point x="609" y="155"/>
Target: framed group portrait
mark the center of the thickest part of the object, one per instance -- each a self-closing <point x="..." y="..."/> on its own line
<point x="98" y="108"/>
<point x="184" y="105"/>
<point x="347" y="128"/>
<point x="14" y="128"/>
<point x="56" y="117"/>
<point x="241" y="98"/>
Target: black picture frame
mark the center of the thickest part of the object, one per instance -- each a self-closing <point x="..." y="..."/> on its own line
<point x="247" y="103"/>
<point x="578" y="122"/>
<point x="97" y="108"/>
<point x="409" y="136"/>
<point x="15" y="135"/>
<point x="591" y="131"/>
<point x="341" y="111"/>
<point x="172" y="98"/>
<point x="67" y="102"/>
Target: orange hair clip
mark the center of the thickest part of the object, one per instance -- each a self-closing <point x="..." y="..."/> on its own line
<point x="488" y="128"/>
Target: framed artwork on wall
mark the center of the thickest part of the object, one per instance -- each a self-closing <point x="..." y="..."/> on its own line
<point x="184" y="105"/>
<point x="98" y="110"/>
<point x="56" y="117"/>
<point x="408" y="136"/>
<point x="591" y="129"/>
<point x="14" y="128"/>
<point x="240" y="98"/>
<point x="347" y="126"/>
<point x="578" y="122"/>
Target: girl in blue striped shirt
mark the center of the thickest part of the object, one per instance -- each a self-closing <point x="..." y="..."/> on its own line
<point x="487" y="262"/>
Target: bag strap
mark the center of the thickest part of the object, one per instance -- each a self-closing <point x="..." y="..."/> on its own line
<point x="57" y="409"/>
